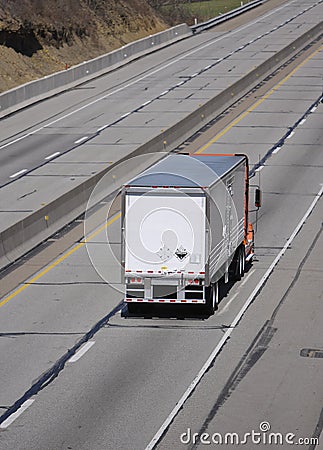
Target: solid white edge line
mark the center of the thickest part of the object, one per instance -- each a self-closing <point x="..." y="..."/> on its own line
<point x="102" y="128"/>
<point x="16" y="414"/>
<point x="153" y="72"/>
<point x="52" y="155"/>
<point x="227" y="334"/>
<point x="81" y="351"/>
<point x="18" y="173"/>
<point x="81" y="140"/>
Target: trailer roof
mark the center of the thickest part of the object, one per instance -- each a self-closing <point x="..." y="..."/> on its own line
<point x="187" y="171"/>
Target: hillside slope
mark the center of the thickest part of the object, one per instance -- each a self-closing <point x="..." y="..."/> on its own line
<point x="38" y="37"/>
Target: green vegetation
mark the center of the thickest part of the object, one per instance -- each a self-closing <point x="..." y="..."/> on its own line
<point x="176" y="12"/>
<point x="207" y="9"/>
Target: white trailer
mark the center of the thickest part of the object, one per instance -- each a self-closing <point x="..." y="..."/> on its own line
<point x="184" y="227"/>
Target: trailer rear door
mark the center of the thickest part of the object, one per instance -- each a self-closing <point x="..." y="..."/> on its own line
<point x="164" y="231"/>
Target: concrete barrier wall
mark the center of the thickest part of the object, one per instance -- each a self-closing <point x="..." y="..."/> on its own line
<point x="37" y="90"/>
<point x="31" y="231"/>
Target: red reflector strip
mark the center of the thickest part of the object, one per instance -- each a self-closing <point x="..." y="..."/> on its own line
<point x="150" y="271"/>
<point x="202" y="273"/>
<point x="162" y="300"/>
<point x="139" y="271"/>
<point x="128" y="270"/>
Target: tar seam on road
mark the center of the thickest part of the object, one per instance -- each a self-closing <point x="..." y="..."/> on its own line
<point x="59" y="260"/>
<point x="55" y="370"/>
<point x="191" y="388"/>
<point x="256" y="349"/>
<point x="254" y="352"/>
<point x="81" y="351"/>
<point x="140" y="107"/>
<point x="317" y="431"/>
<point x="279" y="144"/>
<point x="197" y="49"/>
<point x="16" y="414"/>
<point x="52" y="373"/>
<point x="260" y="101"/>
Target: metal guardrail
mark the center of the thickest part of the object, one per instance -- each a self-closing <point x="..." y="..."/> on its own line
<point x="36" y="90"/>
<point x="29" y="93"/>
<point x="33" y="229"/>
<point x="227" y="16"/>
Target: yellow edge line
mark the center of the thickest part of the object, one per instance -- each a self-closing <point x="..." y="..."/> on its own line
<point x="256" y="104"/>
<point x="58" y="261"/>
<point x="201" y="150"/>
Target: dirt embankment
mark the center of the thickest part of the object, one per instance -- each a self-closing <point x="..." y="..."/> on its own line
<point x="39" y="37"/>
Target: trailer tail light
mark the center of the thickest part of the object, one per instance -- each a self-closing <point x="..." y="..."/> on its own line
<point x="164" y="300"/>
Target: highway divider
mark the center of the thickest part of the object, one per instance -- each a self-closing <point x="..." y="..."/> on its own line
<point x="38" y="226"/>
<point x="198" y="28"/>
<point x="34" y="91"/>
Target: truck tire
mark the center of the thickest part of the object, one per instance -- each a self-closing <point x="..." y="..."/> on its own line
<point x="243" y="261"/>
<point x="237" y="266"/>
<point x="212" y="298"/>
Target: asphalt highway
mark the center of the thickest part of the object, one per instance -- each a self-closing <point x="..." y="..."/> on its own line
<point x="128" y="374"/>
<point x="49" y="148"/>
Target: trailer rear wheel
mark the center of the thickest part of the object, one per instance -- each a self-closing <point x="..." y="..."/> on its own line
<point x="237" y="266"/>
<point x="243" y="261"/>
<point x="212" y="298"/>
<point x="240" y="264"/>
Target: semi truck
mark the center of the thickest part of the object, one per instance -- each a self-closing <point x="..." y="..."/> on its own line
<point x="185" y="227"/>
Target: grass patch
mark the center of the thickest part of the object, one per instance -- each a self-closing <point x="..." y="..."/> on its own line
<point x="200" y="10"/>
